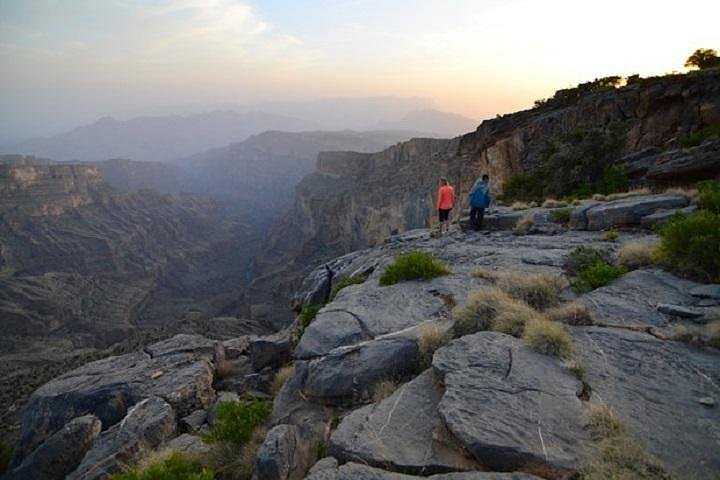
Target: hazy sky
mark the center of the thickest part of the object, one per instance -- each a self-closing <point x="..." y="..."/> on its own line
<point x="67" y="61"/>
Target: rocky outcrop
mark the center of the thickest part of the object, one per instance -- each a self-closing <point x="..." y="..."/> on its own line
<point x="357" y="200"/>
<point x="630" y="211"/>
<point x="352" y="471"/>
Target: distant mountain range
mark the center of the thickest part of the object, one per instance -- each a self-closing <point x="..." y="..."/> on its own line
<point x="170" y="137"/>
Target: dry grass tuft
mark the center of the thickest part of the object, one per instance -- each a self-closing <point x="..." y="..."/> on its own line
<point x="599" y="197"/>
<point x="480" y="309"/>
<point x="636" y="254"/>
<point x="523" y="225"/>
<point x="485" y="274"/>
<point x="430" y="338"/>
<point x="617" y="456"/>
<point x="520" y="206"/>
<point x="383" y="389"/>
<point x="552" y="203"/>
<point x="513" y="320"/>
<point x="539" y="290"/>
<point x="232" y="462"/>
<point x="637" y="192"/>
<point x="282" y="376"/>
<point x="576" y="203"/>
<point x="690" y="193"/>
<point x="572" y="313"/>
<point x="548" y="337"/>
<point x="713" y="330"/>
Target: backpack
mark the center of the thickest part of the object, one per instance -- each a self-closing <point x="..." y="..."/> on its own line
<point x="480" y="197"/>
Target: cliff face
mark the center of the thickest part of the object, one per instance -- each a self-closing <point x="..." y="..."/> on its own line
<point x="355" y="200"/>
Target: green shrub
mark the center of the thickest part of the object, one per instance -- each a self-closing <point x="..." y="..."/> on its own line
<point x="691" y="245"/>
<point x="695" y="139"/>
<point x="413" y="266"/>
<point x="174" y="467"/>
<point x="596" y="276"/>
<point x="307" y="315"/>
<point x="611" y="235"/>
<point x="614" y="180"/>
<point x="232" y="462"/>
<point x="345" y="282"/>
<point x="237" y="420"/>
<point x="6" y="452"/>
<point x="560" y="216"/>
<point x="524" y="187"/>
<point x="709" y="195"/>
<point x="583" y="258"/>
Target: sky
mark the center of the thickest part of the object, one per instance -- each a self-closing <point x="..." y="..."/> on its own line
<point x="65" y="62"/>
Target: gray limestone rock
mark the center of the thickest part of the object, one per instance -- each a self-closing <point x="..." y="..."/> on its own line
<point x="678" y="311"/>
<point x="630" y="211"/>
<point x="61" y="453"/>
<point x="194" y="421"/>
<point x="366" y="312"/>
<point x="285" y="454"/>
<point x="661" y="217"/>
<point x="271" y="350"/>
<point x="356" y="471"/>
<point x="148" y="424"/>
<point x="511" y="407"/>
<point x="711" y="291"/>
<point x="108" y="388"/>
<point x="188" y="445"/>
<point x="632" y="299"/>
<point x="347" y="374"/>
<point x="403" y="432"/>
<point x="654" y="387"/>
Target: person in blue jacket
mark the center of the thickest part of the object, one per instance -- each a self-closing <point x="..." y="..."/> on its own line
<point x="479" y="201"/>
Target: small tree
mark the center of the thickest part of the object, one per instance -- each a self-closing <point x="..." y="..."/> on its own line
<point x="703" y="58"/>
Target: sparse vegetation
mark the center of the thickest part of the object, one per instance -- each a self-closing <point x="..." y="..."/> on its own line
<point x="636" y="192"/>
<point x="636" y="254"/>
<point x="345" y="282"/>
<point x="306" y="317"/>
<point x="430" y="338"/>
<point x="413" y="266"/>
<point x="6" y="452"/>
<point x="690" y="193"/>
<point x="548" y="337"/>
<point x="617" y="455"/>
<point x="174" y="467"/>
<point x="519" y="206"/>
<point x="233" y="462"/>
<point x="599" y="197"/>
<point x="383" y="389"/>
<point x="703" y="58"/>
<point x="596" y="276"/>
<point x="236" y="421"/>
<point x="584" y="257"/>
<point x="561" y="215"/>
<point x="711" y="132"/>
<point x="539" y="290"/>
<point x="552" y="203"/>
<point x="700" y="336"/>
<point x="611" y="235"/>
<point x="690" y="246"/>
<point x="572" y="313"/>
<point x="524" y="225"/>
<point x="514" y="320"/>
<point x="486" y="274"/>
<point x="709" y="195"/>
<point x="713" y="329"/>
<point x="282" y="376"/>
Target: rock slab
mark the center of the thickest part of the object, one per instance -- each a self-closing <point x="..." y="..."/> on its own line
<point x="513" y="408"/>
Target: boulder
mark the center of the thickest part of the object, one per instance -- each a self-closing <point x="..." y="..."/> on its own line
<point x="285" y="454"/>
<point x="188" y="445"/>
<point x="195" y="421"/>
<point x="578" y="215"/>
<point x="511" y="407"/>
<point x="656" y="387"/>
<point x="662" y="217"/>
<point x="356" y="471"/>
<point x="147" y="425"/>
<point x="108" y="388"/>
<point x="630" y="211"/>
<point x="348" y="374"/>
<point x="403" y="432"/>
<point x="270" y="351"/>
<point x="61" y="453"/>
<point x="711" y="291"/>
<point x="702" y="161"/>
<point x="679" y="311"/>
<point x="632" y="299"/>
<point x="365" y="313"/>
<point x="501" y="220"/>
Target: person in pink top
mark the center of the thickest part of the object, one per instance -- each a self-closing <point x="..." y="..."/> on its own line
<point x="445" y="203"/>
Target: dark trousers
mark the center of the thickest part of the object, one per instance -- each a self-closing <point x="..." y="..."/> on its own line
<point x="476" y="217"/>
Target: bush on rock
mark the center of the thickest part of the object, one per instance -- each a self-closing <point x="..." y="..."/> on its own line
<point x="413" y="266"/>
